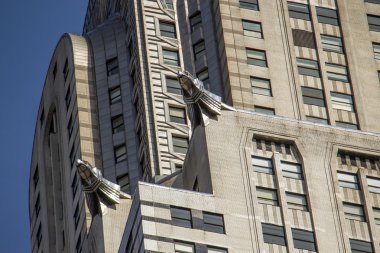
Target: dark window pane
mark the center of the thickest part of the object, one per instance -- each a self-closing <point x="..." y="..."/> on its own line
<point x="303" y="38"/>
<point x="273" y="234"/>
<point x="249" y="4"/>
<point x="303" y="239"/>
<point x="299" y="11"/>
<point x="181" y="217"/>
<point x="327" y="16"/>
<point x="358" y="246"/>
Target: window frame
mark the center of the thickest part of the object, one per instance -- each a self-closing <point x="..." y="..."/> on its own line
<point x="177" y="215"/>
<point x="308" y="67"/>
<point x="176" y="119"/>
<point x="253" y="57"/>
<point x="112" y="66"/>
<point x="304" y="239"/>
<point x="249" y="29"/>
<point x="260" y="168"/>
<point x="211" y="226"/>
<point x="298" y="175"/>
<point x="336" y="72"/>
<point x="273" y="234"/>
<point x="167" y="29"/>
<point x="340" y="101"/>
<point x="199" y="49"/>
<point x="117" y="124"/>
<point x="117" y="97"/>
<point x="296" y="11"/>
<point x="348" y="209"/>
<point x="327" y="16"/>
<point x="296" y="205"/>
<point x="249" y="4"/>
<point x="173" y="60"/>
<point x="120" y="157"/>
<point x="313" y="96"/>
<point x="373" y="26"/>
<point x="263" y="192"/>
<point x="258" y="86"/>
<point x="180" y="149"/>
<point x="345" y="183"/>
<point x="195" y="21"/>
<point x="171" y="88"/>
<point x="372" y="188"/>
<point x="329" y="46"/>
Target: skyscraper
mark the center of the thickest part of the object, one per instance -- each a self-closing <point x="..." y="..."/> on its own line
<point x="294" y="167"/>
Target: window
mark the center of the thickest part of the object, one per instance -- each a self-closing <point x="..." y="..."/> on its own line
<point x="346" y="125"/>
<point x="263" y="110"/>
<point x="199" y="49"/>
<point x="273" y="234"/>
<point x="76" y="215"/>
<point x="256" y="57"/>
<point x="37" y="205"/>
<point x="74" y="185"/>
<point x="372" y="1"/>
<point x="347" y="180"/>
<point x="183" y="247"/>
<point x="117" y="124"/>
<point x="120" y="153"/>
<point x="291" y="170"/>
<point x="55" y="71"/>
<point x="317" y="120"/>
<point x="249" y="4"/>
<point x="177" y="115"/>
<point x="36" y="177"/>
<point x="376" y="214"/>
<point x="78" y="245"/>
<point x="327" y="16"/>
<point x="72" y="155"/>
<point x="167" y="29"/>
<point x="267" y="196"/>
<point x="213" y="222"/>
<point x="216" y="250"/>
<point x="303" y="239"/>
<point x="112" y="66"/>
<point x="358" y="246"/>
<point x="376" y="50"/>
<point x="332" y="44"/>
<point x="39" y="235"/>
<point x="299" y="11"/>
<point x="170" y="57"/>
<point x="168" y="4"/>
<point x="115" y="95"/>
<point x="308" y="67"/>
<point x="181" y="217"/>
<point x="353" y="212"/>
<point x="203" y="76"/>
<point x="70" y="126"/>
<point x="262" y="165"/>
<point x="336" y="72"/>
<point x="296" y="201"/>
<point x="303" y="38"/>
<point x="123" y="181"/>
<point x="373" y="185"/>
<point x="378" y="74"/>
<point x="373" y="23"/>
<point x="342" y="102"/>
<point x="313" y="96"/>
<point x="173" y="86"/>
<point x="252" y="29"/>
<point x="66" y="70"/>
<point x="68" y="97"/>
<point x="180" y="144"/>
<point x="261" y="86"/>
<point x="195" y="21"/>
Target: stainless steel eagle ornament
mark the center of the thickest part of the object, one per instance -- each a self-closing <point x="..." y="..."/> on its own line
<point x="98" y="189"/>
<point x="201" y="103"/>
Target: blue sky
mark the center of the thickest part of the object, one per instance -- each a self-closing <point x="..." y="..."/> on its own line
<point x="29" y="33"/>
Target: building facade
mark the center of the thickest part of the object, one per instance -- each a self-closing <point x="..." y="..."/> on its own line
<point x="112" y="98"/>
